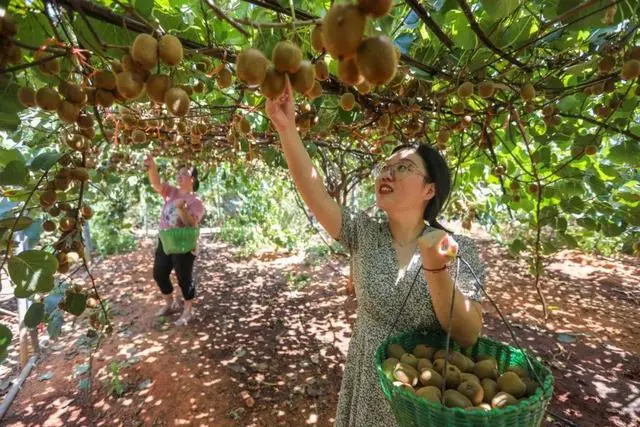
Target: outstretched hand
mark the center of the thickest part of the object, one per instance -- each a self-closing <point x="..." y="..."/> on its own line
<point x="281" y="110"/>
<point x="149" y="161"/>
<point x="437" y="249"/>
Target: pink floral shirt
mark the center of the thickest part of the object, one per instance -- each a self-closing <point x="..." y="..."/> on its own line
<point x="169" y="217"/>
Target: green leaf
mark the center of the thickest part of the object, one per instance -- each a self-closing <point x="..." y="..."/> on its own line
<point x="23" y="222"/>
<point x="5" y="336"/>
<point x="587" y="223"/>
<point x="32" y="271"/>
<point x="34" y="315"/>
<point x="144" y="7"/>
<point x="460" y="33"/>
<point x="15" y="173"/>
<point x="517" y="246"/>
<point x="45" y="161"/>
<point x="9" y="121"/>
<point x="9" y="93"/>
<point x="498" y="9"/>
<point x="7" y="156"/>
<point x="569" y="104"/>
<point x="75" y="303"/>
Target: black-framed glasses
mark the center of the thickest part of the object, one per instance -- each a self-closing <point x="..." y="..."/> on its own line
<point x="398" y="171"/>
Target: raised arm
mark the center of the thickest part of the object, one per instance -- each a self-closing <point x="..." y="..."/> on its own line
<point x="308" y="181"/>
<point x="154" y="177"/>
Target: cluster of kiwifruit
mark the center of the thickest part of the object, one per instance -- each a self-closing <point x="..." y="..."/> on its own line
<point x="10" y="53"/>
<point x="469" y="384"/>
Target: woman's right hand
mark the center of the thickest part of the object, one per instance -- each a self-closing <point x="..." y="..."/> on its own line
<point x="281" y="110"/>
<point x="150" y="162"/>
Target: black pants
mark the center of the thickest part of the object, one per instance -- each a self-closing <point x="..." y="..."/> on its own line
<point x="183" y="266"/>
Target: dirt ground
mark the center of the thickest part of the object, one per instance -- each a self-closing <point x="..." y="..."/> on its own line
<point x="262" y="353"/>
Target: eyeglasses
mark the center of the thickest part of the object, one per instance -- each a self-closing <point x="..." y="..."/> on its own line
<point x="398" y="171"/>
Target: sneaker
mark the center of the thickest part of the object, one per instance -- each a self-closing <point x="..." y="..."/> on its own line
<point x="168" y="309"/>
<point x="184" y="319"/>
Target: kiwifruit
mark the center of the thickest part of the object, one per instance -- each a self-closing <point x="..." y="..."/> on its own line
<point x="322" y="71"/>
<point x="527" y="92"/>
<point x="486" y="369"/>
<point x="170" y="50"/>
<point x="630" y="69"/>
<point x="443" y="136"/>
<point x="303" y="79"/>
<point x="68" y="112"/>
<point x="424" y="364"/>
<point x="342" y="30"/>
<point x="50" y="67"/>
<point x="47" y="198"/>
<point x="85" y="121"/>
<point x="409" y="359"/>
<point x="511" y="383"/>
<point x="438" y="362"/>
<point x="224" y="78"/>
<point x="317" y="40"/>
<point x="389" y="365"/>
<point x="452" y="376"/>
<point x="74" y="93"/>
<point x="395" y="350"/>
<point x="606" y="64"/>
<point x="632" y="53"/>
<point x="129" y="64"/>
<point x="490" y="388"/>
<point x="364" y="87"/>
<point x="473" y="390"/>
<point x="27" y="97"/>
<point x="79" y="174"/>
<point x="375" y="8"/>
<point x="383" y="122"/>
<point x="157" y="86"/>
<point x="129" y="84"/>
<point x="430" y="393"/>
<point x="502" y="400"/>
<point x="481" y="407"/>
<point x="49" y="226"/>
<point x="87" y="132"/>
<point x="466" y="376"/>
<point x="376" y="60"/>
<point x="532" y="386"/>
<point x="457" y="108"/>
<point x="144" y="51"/>
<point x="273" y="83"/>
<point x="347" y="101"/>
<point x="348" y="72"/>
<point x="251" y="67"/>
<point x="486" y="89"/>
<point x="116" y="66"/>
<point x="8" y="26"/>
<point x="138" y="136"/>
<point x="286" y="57"/>
<point x="47" y="98"/>
<point x="67" y="223"/>
<point x="13" y="54"/>
<point x="315" y="91"/>
<point x="177" y="101"/>
<point x="54" y="211"/>
<point x="86" y="211"/>
<point x="105" y="80"/>
<point x="421" y="351"/>
<point x="521" y="371"/>
<point x="465" y="90"/>
<point x="455" y="399"/>
<point x="430" y="377"/>
<point x="406" y="374"/>
<point x="243" y="126"/>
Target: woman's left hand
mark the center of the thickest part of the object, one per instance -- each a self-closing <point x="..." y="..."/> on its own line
<point x="181" y="204"/>
<point x="437" y="249"/>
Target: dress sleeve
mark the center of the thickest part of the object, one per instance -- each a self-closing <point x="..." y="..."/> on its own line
<point x="353" y="226"/>
<point x="167" y="191"/>
<point x="466" y="283"/>
<point x="197" y="209"/>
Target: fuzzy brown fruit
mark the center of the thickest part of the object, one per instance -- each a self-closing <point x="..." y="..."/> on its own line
<point x="68" y="112"/>
<point x="286" y="57"/>
<point x="430" y="393"/>
<point x="511" y="383"/>
<point x="322" y="70"/>
<point x="251" y="67"/>
<point x="303" y="79"/>
<point x="348" y="72"/>
<point x="48" y="99"/>
<point x="104" y="98"/>
<point x="376" y="60"/>
<point x="527" y="92"/>
<point x="396" y="351"/>
<point x="443" y="136"/>
<point x="455" y="399"/>
<point x="347" y="101"/>
<point x="157" y="86"/>
<point x="317" y="40"/>
<point x="50" y="67"/>
<point x="49" y="226"/>
<point x="105" y="80"/>
<point x="342" y="30"/>
<point x="129" y="84"/>
<point x="224" y="78"/>
<point x="315" y="91"/>
<point x="606" y="64"/>
<point x="170" y="50"/>
<point x="465" y="90"/>
<point x="177" y="101"/>
<point x="630" y="69"/>
<point x="473" y="391"/>
<point x="144" y="51"/>
<point x="502" y="400"/>
<point x="364" y="87"/>
<point x="273" y="83"/>
<point x="457" y="108"/>
<point x="27" y="97"/>
<point x="486" y="89"/>
<point x="375" y="8"/>
<point x="74" y="93"/>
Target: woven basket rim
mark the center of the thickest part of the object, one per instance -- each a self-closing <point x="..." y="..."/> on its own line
<point x="541" y="395"/>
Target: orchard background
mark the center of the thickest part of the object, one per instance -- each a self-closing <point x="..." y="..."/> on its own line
<point x="533" y="104"/>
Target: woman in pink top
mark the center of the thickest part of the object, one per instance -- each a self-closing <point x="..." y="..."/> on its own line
<point x="182" y="208"/>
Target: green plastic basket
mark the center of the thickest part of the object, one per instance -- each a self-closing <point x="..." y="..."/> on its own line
<point x="179" y="240"/>
<point x="411" y="410"/>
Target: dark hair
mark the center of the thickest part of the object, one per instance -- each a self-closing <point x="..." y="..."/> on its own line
<point x="438" y="173"/>
<point x="194" y="175"/>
